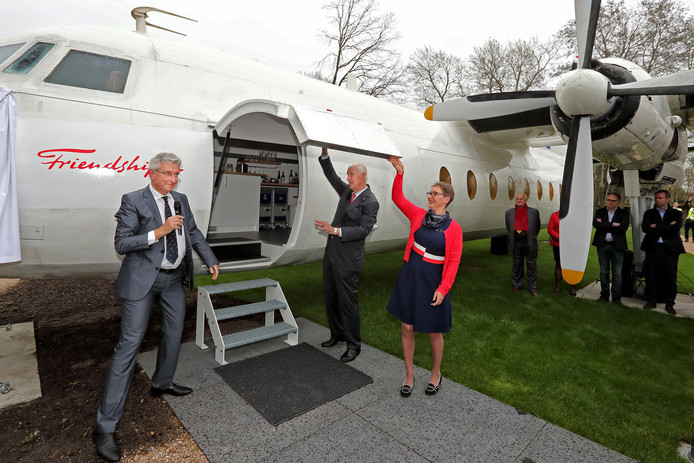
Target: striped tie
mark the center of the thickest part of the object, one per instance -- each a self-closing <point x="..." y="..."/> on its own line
<point x="171" y="243"/>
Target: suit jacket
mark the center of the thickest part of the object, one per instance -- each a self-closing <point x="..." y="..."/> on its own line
<point x="533" y="226"/>
<point x="602" y="228"/>
<point x="663" y="229"/>
<point x="355" y="219"/>
<point x="137" y="216"/>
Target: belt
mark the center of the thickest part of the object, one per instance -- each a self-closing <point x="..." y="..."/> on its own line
<point x="431" y="258"/>
<point x="167" y="270"/>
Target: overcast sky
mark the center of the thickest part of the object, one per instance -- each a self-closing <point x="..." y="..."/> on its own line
<point x="286" y="33"/>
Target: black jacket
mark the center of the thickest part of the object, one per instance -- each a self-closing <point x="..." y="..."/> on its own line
<point x="605" y="226"/>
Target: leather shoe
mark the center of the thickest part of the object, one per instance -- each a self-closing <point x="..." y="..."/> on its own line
<point x="432" y="388"/>
<point x="106" y="445"/>
<point x="617" y="301"/>
<point x="175" y="389"/>
<point x="533" y="292"/>
<point x="670" y="309"/>
<point x="332" y="341"/>
<point x="649" y="305"/>
<point x="350" y="354"/>
<point x="603" y="299"/>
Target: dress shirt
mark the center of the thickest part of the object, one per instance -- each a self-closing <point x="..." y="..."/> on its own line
<point x="180" y="238"/>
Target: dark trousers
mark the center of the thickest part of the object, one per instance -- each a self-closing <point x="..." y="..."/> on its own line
<point x="688" y="225"/>
<point x="661" y="274"/>
<point x="522" y="252"/>
<point x="610" y="256"/>
<point x="169" y="293"/>
<point x="341" y="302"/>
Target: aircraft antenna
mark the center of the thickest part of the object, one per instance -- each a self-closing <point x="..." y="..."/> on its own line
<point x="140" y="16"/>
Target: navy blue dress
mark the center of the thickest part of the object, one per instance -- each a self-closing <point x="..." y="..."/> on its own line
<point x="414" y="289"/>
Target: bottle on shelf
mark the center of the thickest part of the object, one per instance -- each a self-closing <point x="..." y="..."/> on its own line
<point x="278" y="177"/>
<point x="296" y="177"/>
<point x="283" y="180"/>
<point x="291" y="177"/>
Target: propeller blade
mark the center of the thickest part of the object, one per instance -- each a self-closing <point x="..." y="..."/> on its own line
<point x="679" y="83"/>
<point x="576" y="204"/>
<point x="489" y="105"/>
<point x="587" y="12"/>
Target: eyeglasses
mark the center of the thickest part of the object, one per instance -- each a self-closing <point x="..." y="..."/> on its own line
<point x="612" y="200"/>
<point x="434" y="194"/>
<point x="169" y="174"/>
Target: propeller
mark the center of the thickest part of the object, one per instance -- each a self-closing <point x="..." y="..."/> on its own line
<point x="580" y="94"/>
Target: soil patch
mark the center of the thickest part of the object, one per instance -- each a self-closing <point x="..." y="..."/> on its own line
<point x="77" y="325"/>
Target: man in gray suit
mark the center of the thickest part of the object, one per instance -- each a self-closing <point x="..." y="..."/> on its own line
<point x="158" y="261"/>
<point x="523" y="224"/>
<point x="344" y="253"/>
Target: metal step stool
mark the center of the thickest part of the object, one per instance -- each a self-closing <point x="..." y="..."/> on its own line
<point x="274" y="300"/>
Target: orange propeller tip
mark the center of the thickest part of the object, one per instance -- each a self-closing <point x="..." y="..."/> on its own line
<point x="429" y="113"/>
<point x="572" y="277"/>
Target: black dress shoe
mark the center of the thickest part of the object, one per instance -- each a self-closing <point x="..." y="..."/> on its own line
<point x="649" y="305"/>
<point x="106" y="445"/>
<point x="670" y="309"/>
<point x="332" y="341"/>
<point x="432" y="388"/>
<point x="175" y="389"/>
<point x="350" y="354"/>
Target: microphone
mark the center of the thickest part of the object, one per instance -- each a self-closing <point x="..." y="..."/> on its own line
<point x="177" y="211"/>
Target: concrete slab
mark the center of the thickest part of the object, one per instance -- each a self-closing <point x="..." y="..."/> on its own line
<point x="371" y="424"/>
<point x="18" y="364"/>
<point x="684" y="304"/>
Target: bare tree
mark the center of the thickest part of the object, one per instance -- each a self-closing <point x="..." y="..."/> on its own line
<point x="434" y="76"/>
<point x="363" y="44"/>
<point x="658" y="35"/>
<point x="518" y="66"/>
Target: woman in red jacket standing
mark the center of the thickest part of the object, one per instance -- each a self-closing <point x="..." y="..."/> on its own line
<point x="553" y="230"/>
<point x="420" y="298"/>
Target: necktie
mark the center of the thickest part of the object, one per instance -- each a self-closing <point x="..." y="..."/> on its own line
<point x="171" y="243"/>
<point x="352" y="200"/>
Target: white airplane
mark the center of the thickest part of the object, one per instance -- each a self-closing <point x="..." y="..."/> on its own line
<point x="94" y="105"/>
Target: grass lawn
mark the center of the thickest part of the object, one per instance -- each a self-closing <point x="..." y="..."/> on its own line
<point x="619" y="376"/>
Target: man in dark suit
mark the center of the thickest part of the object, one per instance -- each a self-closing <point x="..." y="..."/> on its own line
<point x="663" y="246"/>
<point x="523" y="224"/>
<point x="157" y="245"/>
<point x="344" y="253"/>
<point x="611" y="224"/>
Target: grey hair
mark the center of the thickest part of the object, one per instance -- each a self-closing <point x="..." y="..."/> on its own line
<point x="360" y="168"/>
<point x="161" y="158"/>
<point x="447" y="190"/>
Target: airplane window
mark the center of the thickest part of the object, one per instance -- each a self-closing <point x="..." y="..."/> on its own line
<point x="511" y="188"/>
<point x="492" y="186"/>
<point x="29" y="59"/>
<point x="7" y="50"/>
<point x="444" y="175"/>
<point x="539" y="190"/>
<point x="526" y="187"/>
<point x="88" y="70"/>
<point x="551" y="191"/>
<point x="471" y="184"/>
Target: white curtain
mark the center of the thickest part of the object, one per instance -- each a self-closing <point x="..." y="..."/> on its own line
<point x="9" y="211"/>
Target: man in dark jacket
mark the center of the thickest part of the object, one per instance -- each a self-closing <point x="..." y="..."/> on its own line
<point x="344" y="253"/>
<point x="663" y="246"/>
<point x="611" y="224"/>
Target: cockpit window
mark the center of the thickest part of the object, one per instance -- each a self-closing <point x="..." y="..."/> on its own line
<point x="29" y="59"/>
<point x="7" y="50"/>
<point x="88" y="70"/>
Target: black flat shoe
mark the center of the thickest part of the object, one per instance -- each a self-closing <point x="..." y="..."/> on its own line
<point x="432" y="389"/>
<point x="175" y="390"/>
<point x="332" y="341"/>
<point x="350" y="354"/>
<point x="406" y="389"/>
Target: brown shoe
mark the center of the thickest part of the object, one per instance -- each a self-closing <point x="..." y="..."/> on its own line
<point x="649" y="305"/>
<point x="670" y="309"/>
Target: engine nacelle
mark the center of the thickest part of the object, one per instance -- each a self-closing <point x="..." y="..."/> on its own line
<point x="636" y="132"/>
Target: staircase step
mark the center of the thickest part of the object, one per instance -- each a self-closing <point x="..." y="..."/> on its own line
<point x="257" y="334"/>
<point x="238" y="286"/>
<point x="248" y="309"/>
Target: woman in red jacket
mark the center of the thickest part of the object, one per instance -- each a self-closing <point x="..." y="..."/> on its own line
<point x="420" y="297"/>
<point x="553" y="230"/>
